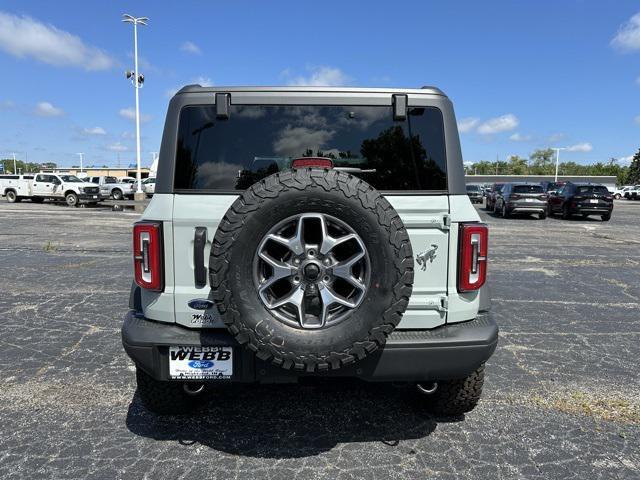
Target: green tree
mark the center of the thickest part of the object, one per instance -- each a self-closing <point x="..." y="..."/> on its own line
<point x="542" y="162"/>
<point x="517" y="165"/>
<point x="633" y="173"/>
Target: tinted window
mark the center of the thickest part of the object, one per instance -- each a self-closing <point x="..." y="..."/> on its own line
<point x="110" y="180"/>
<point x="599" y="189"/>
<point x="9" y="177"/>
<point x="28" y="177"/>
<point x="527" y="189"/>
<point x="257" y="141"/>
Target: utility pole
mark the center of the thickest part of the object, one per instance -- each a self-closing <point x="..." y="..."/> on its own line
<point x="81" y="155"/>
<point x="15" y="170"/>
<point x="558" y="159"/>
<point x="137" y="81"/>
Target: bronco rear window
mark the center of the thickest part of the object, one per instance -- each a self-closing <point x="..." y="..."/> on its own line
<point x="257" y="141"/>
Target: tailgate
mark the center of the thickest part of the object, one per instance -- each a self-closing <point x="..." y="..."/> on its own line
<point x="426" y="218"/>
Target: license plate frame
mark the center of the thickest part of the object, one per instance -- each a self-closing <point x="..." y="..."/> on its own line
<point x="187" y="362"/>
<point x="594" y="200"/>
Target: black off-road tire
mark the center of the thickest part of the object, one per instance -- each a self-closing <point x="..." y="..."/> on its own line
<point x="163" y="398"/>
<point x="606" y="217"/>
<point x="542" y="216"/>
<point x="455" y="397"/>
<point x="293" y="192"/>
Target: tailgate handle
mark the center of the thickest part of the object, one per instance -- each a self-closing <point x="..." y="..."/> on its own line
<point x="199" y="271"/>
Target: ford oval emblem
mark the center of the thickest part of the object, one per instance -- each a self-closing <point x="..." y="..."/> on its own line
<point x="201" y="364"/>
<point x="200" y="304"/>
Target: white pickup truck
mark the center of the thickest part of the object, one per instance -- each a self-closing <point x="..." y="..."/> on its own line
<point x="50" y="186"/>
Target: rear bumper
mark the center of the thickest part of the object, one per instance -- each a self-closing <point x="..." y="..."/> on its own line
<point x="527" y="207"/>
<point x="450" y="351"/>
<point x="594" y="209"/>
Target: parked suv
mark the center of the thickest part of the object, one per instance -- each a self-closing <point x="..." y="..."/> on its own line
<point x="490" y="204"/>
<point x="581" y="199"/>
<point x="309" y="232"/>
<point x="474" y="193"/>
<point x="521" y="198"/>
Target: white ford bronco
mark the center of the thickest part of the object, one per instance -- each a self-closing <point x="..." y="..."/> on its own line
<point x="309" y="232"/>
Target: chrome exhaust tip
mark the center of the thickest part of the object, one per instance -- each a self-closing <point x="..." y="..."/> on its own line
<point x="193" y="389"/>
<point x="428" y="388"/>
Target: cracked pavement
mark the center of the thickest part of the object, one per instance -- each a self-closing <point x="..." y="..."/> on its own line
<point x="561" y="398"/>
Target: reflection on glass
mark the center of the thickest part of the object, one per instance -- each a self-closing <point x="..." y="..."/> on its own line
<point x="258" y="141"/>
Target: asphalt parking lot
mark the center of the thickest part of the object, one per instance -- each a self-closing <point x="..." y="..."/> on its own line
<point x="561" y="400"/>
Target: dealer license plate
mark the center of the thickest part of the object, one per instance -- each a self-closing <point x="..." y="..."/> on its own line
<point x="593" y="200"/>
<point x="200" y="363"/>
<point x="528" y="199"/>
<point x="95" y="196"/>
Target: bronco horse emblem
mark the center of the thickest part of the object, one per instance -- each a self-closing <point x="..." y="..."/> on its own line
<point x="427" y="255"/>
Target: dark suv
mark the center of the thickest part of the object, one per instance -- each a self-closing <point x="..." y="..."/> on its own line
<point x="491" y="196"/>
<point x="581" y="199"/>
<point x="521" y="198"/>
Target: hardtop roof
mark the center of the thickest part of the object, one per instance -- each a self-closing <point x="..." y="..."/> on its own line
<point x="426" y="90"/>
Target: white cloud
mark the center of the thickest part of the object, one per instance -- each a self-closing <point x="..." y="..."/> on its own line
<point x="294" y="141"/>
<point x="628" y="36"/>
<point x="321" y="76"/>
<point x="625" y="160"/>
<point x="45" y="109"/>
<point x="130" y="114"/>
<point x="203" y="81"/>
<point x="503" y="123"/>
<point x="190" y="47"/>
<point x="468" y="124"/>
<point x="518" y="137"/>
<point x="580" y="147"/>
<point x="556" y="137"/>
<point x="117" y="147"/>
<point x="23" y="36"/>
<point x="94" y="131"/>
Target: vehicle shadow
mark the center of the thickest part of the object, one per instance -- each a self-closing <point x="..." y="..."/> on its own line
<point x="292" y="421"/>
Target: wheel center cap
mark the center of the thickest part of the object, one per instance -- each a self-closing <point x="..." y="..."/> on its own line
<point x="311" y="272"/>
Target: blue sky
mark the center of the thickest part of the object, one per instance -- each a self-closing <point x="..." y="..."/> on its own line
<point x="522" y="75"/>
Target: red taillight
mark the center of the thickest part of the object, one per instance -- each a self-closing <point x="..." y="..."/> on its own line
<point x="472" y="266"/>
<point x="312" y="162"/>
<point x="147" y="255"/>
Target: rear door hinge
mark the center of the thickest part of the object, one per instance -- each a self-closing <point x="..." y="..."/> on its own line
<point x="439" y="303"/>
<point x="446" y="221"/>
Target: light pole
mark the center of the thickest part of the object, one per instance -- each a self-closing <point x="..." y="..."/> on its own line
<point x="81" y="155"/>
<point x="557" y="149"/>
<point x="15" y="170"/>
<point x="137" y="80"/>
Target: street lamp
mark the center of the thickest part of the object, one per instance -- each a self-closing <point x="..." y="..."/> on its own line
<point x="137" y="80"/>
<point x="14" y="163"/>
<point x="557" y="149"/>
<point x="81" y="155"/>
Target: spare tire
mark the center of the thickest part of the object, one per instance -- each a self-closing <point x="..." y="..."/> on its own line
<point x="311" y="269"/>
